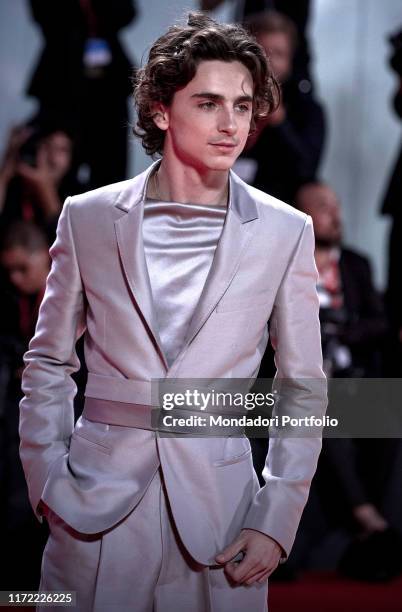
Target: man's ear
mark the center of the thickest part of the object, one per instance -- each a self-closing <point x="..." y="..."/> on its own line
<point x="160" y="115"/>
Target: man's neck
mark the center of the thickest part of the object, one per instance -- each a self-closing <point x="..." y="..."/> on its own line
<point x="184" y="184"/>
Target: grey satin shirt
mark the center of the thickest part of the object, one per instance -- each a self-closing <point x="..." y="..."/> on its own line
<point x="179" y="242"/>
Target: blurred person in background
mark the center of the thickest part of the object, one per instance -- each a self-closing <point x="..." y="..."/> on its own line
<point x="83" y="75"/>
<point x="285" y="150"/>
<point x="24" y="258"/>
<point x="353" y="473"/>
<point x="35" y="175"/>
<point x="298" y="12"/>
<point x="352" y="313"/>
<point x="392" y="206"/>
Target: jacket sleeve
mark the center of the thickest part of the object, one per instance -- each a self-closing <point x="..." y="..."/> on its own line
<point x="46" y="410"/>
<point x="301" y="384"/>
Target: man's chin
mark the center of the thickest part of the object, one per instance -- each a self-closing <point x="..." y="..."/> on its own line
<point x="223" y="164"/>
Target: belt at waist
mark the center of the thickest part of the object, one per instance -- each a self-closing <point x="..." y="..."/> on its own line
<point x="143" y="416"/>
<point x="119" y="390"/>
<point x="150" y="392"/>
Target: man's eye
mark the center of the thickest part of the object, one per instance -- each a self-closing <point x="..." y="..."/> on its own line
<point x="207" y="105"/>
<point x="243" y="108"/>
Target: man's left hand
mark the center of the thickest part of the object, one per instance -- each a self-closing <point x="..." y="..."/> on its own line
<point x="262" y="555"/>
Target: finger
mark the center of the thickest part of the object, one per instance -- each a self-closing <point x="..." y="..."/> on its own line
<point x="257" y="569"/>
<point x="230" y="551"/>
<point x="248" y="567"/>
<point x="264" y="577"/>
<point x="259" y="577"/>
<point x="260" y="565"/>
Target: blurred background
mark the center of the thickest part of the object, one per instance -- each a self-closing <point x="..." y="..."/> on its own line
<point x="332" y="149"/>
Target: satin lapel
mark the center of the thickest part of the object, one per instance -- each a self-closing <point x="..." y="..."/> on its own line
<point x="235" y="238"/>
<point x="131" y="248"/>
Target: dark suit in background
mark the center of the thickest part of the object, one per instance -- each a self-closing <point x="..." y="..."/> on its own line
<point x="353" y="472"/>
<point x="365" y="327"/>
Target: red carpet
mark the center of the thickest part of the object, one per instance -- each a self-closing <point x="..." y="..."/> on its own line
<point x="327" y="592"/>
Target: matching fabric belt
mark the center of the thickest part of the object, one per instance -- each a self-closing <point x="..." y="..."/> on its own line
<point x="146" y="392"/>
<point x="179" y="421"/>
<point x="122" y="390"/>
<point x="118" y="413"/>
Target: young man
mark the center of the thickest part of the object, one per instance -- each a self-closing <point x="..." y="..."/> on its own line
<point x="172" y="275"/>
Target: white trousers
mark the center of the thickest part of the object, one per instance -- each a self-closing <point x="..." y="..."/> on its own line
<point x="139" y="565"/>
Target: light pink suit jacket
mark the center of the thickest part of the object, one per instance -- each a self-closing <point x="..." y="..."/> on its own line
<point x="93" y="474"/>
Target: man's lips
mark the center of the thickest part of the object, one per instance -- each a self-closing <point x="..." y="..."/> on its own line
<point x="228" y="145"/>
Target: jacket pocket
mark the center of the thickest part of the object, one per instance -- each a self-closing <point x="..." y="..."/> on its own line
<point x="236" y="459"/>
<point x="101" y="447"/>
<point x="93" y="433"/>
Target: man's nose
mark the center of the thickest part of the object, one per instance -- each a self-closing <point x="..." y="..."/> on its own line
<point x="227" y="122"/>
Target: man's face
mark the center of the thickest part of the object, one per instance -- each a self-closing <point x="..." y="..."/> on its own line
<point x="27" y="271"/>
<point x="322" y="204"/>
<point x="208" y="121"/>
<point x="278" y="48"/>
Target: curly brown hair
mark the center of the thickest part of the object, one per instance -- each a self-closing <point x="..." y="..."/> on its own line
<point x="173" y="61"/>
